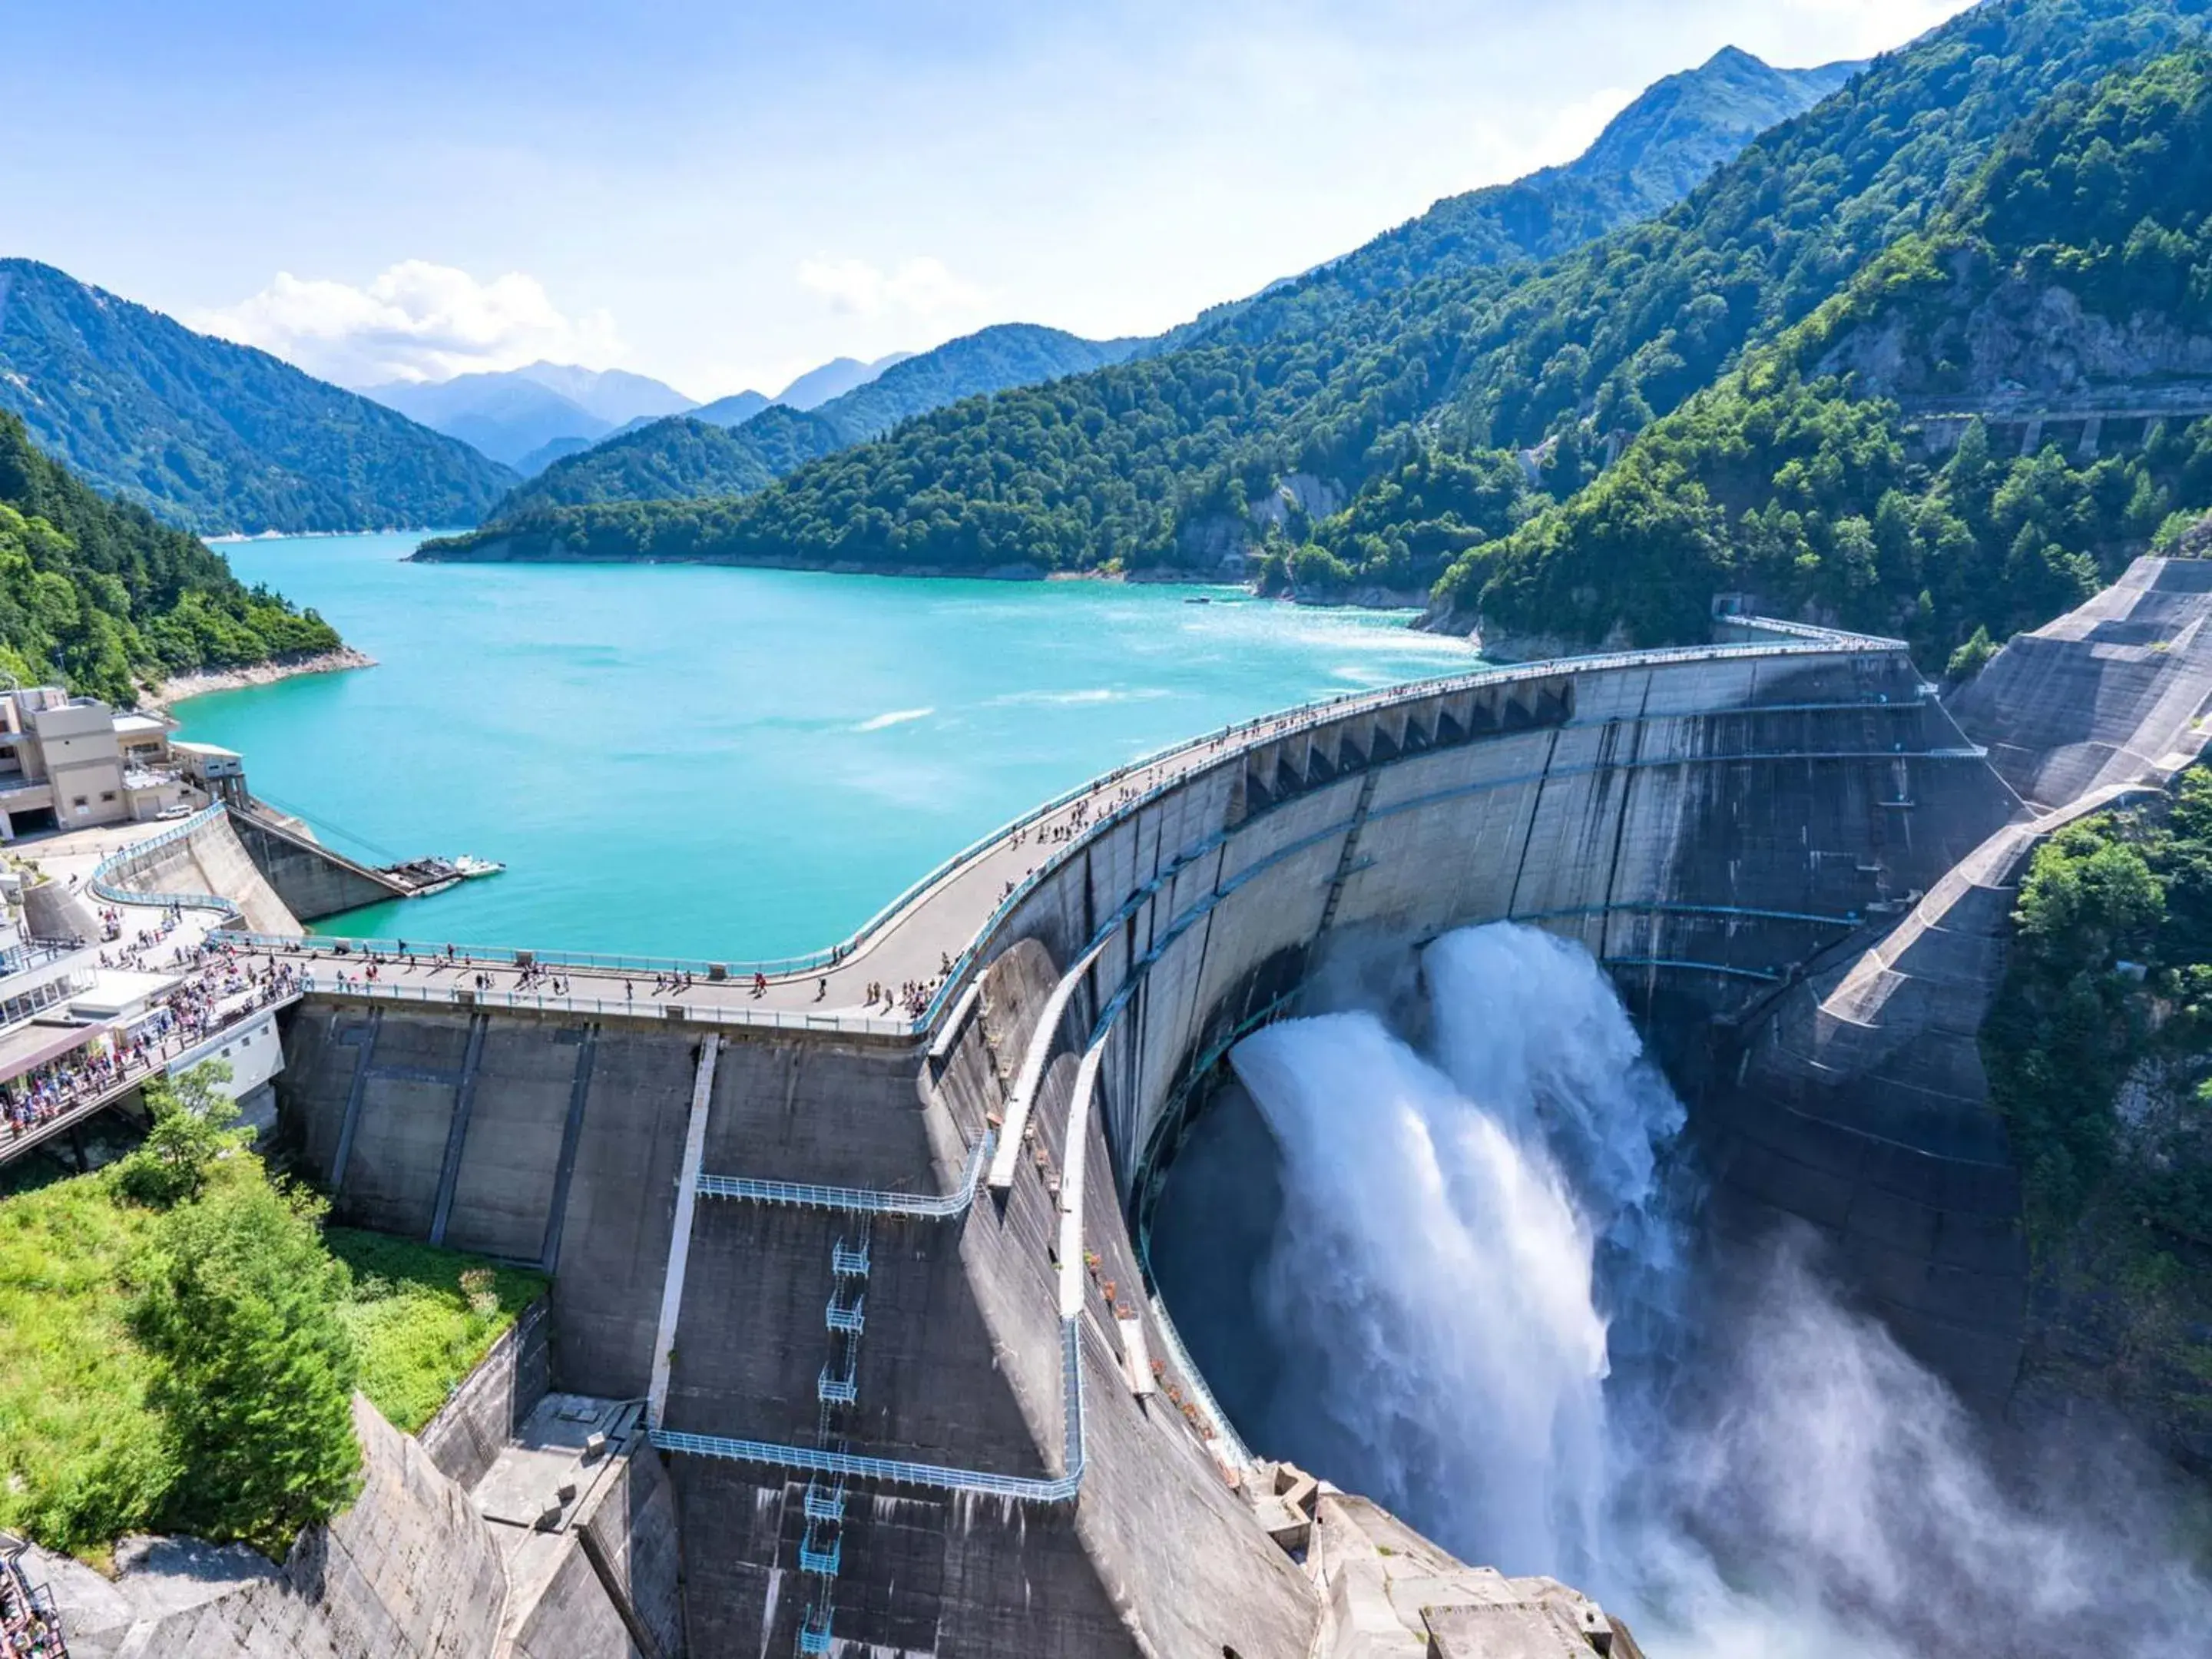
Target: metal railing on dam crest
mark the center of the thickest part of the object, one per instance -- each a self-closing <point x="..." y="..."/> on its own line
<point x="960" y="935"/>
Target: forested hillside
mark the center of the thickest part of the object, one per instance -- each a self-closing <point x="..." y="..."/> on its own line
<point x="214" y="436"/>
<point x="1785" y="482"/>
<point x="99" y="594"/>
<point x="1649" y="156"/>
<point x="2082" y="260"/>
<point x="682" y="457"/>
<point x="1105" y="469"/>
<point x="695" y="456"/>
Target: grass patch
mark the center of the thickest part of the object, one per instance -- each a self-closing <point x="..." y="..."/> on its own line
<point x="422" y="1317"/>
<point x="84" y="1456"/>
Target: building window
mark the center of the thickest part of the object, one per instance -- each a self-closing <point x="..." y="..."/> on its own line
<point x="79" y="802"/>
<point x="107" y="794"/>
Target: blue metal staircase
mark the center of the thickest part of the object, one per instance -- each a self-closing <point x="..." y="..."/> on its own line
<point x="822" y="1547"/>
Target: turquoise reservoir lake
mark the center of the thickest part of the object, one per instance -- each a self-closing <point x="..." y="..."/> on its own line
<point x="722" y="763"/>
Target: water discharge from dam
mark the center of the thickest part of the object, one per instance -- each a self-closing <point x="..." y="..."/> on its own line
<point x="1479" y="1298"/>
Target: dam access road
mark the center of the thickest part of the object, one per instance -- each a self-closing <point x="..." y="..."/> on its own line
<point x="879" y="1277"/>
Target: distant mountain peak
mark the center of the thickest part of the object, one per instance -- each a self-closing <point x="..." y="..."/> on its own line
<point x="518" y="416"/>
<point x="737" y="445"/>
<point x="1679" y="129"/>
<point x="733" y="411"/>
<point x="1732" y="58"/>
<point x="615" y="395"/>
<point x="833" y="379"/>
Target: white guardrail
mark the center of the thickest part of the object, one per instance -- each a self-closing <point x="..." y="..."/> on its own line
<point x="138" y="856"/>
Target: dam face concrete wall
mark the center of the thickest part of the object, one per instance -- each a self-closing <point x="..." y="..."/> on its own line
<point x="409" y="1568"/>
<point x="207" y="860"/>
<point x="313" y="881"/>
<point x="1713" y="826"/>
<point x="473" y="1428"/>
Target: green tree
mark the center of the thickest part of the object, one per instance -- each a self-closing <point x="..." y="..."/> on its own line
<point x="1970" y="658"/>
<point x="193" y="1122"/>
<point x="240" y="1305"/>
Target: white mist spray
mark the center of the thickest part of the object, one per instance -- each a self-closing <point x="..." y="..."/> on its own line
<point x="1460" y="1236"/>
<point x="1440" y="1255"/>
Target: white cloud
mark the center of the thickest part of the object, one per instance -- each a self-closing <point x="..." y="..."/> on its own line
<point x="417" y="321"/>
<point x="1874" y="25"/>
<point x="921" y="287"/>
<point x="1574" y="126"/>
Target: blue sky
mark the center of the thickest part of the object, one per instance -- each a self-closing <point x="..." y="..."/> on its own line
<point x="724" y="194"/>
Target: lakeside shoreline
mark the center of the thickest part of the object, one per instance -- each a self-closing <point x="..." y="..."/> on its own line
<point x="1361" y="598"/>
<point x="200" y="682"/>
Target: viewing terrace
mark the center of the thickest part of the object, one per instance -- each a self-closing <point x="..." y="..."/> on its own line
<point x="56" y="1072"/>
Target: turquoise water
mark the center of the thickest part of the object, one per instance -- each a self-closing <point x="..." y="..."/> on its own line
<point x="683" y="760"/>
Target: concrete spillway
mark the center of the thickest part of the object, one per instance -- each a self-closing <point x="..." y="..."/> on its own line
<point x="905" y="1270"/>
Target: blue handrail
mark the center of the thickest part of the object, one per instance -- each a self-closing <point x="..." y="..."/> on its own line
<point x="857" y="1201"/>
<point x="134" y="856"/>
<point x="1054" y="1489"/>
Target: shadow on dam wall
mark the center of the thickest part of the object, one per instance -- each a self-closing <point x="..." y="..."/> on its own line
<point x="1715" y="826"/>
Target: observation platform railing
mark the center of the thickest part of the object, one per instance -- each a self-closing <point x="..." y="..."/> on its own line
<point x="136" y="855"/>
<point x="167" y="1056"/>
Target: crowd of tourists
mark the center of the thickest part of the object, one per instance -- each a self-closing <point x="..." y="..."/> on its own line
<point x="30" y="1628"/>
<point x="913" y="995"/>
<point x="142" y="952"/>
<point x="220" y="988"/>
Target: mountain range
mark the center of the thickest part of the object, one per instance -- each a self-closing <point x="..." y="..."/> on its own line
<point x="1647" y="157"/>
<point x="1588" y="446"/>
<point x="1570" y="408"/>
<point x="219" y="437"/>
<point x="511" y="414"/>
<point x="2071" y="273"/>
<point x="528" y="418"/>
<point x="692" y="457"/>
<point x="214" y="436"/>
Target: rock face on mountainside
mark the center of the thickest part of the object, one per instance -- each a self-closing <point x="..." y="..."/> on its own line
<point x="1997" y="334"/>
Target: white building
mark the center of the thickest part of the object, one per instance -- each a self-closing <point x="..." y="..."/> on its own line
<point x="67" y="763"/>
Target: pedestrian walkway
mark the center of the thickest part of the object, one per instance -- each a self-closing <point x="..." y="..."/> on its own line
<point x="888" y="978"/>
<point x="223" y="994"/>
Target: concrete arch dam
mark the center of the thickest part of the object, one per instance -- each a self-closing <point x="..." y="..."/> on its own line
<point x="877" y="1278"/>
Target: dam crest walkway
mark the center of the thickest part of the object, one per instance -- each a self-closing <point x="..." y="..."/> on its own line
<point x="930" y="936"/>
